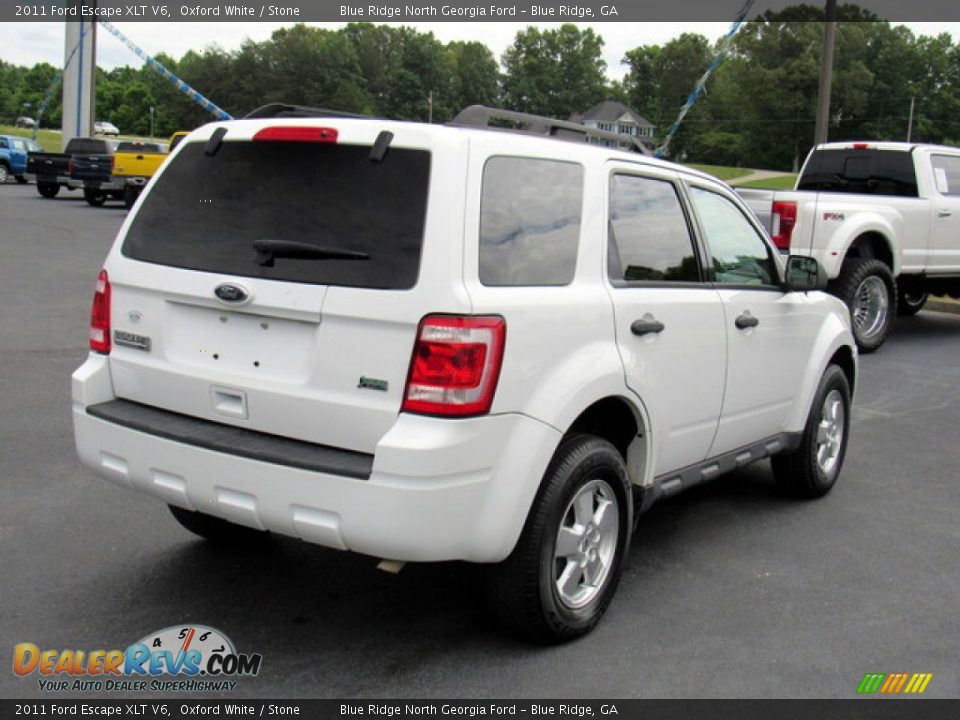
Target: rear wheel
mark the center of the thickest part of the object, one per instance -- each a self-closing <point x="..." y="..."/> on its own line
<point x="562" y="575"/>
<point x="21" y="179"/>
<point x="811" y="470"/>
<point x="48" y="190"/>
<point x="130" y="195"/>
<point x="218" y="531"/>
<point x="869" y="290"/>
<point x="910" y="302"/>
<point x="95" y="198"/>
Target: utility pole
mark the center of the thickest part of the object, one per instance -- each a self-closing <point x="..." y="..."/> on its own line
<point x="430" y="107"/>
<point x="826" y="72"/>
<point x="913" y="102"/>
<point x="151" y="122"/>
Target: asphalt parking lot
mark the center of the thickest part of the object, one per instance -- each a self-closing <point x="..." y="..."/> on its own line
<point x="729" y="590"/>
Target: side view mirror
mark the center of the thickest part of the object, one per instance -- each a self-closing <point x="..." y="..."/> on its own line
<point x="805" y="273"/>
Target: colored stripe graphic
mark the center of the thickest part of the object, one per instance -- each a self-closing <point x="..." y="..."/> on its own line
<point x="894" y="683"/>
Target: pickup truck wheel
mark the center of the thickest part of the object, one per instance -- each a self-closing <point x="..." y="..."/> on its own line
<point x="21" y="179"/>
<point x="869" y="290"/>
<point x="4" y="174"/>
<point x="561" y="576"/>
<point x="812" y="469"/>
<point x="94" y="198"/>
<point x="48" y="190"/>
<point x="221" y="532"/>
<point x="129" y="196"/>
<point x="910" y="302"/>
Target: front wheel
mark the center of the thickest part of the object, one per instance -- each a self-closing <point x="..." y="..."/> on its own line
<point x="4" y="174"/>
<point x="94" y="198"/>
<point x="869" y="290"/>
<point x="812" y="469"/>
<point x="562" y="575"/>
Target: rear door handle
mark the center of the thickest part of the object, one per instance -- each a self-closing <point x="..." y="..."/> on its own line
<point x="646" y="327"/>
<point x="944" y="213"/>
<point x="746" y="321"/>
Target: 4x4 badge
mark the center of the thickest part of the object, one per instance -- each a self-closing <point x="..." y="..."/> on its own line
<point x="230" y="293"/>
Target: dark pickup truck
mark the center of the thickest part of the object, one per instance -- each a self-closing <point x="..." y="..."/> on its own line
<point x="52" y="170"/>
<point x="93" y="167"/>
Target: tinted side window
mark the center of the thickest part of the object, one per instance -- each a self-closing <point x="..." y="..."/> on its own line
<point x="740" y="257"/>
<point x="649" y="237"/>
<point x="946" y="171"/>
<point x="529" y="221"/>
<point x="865" y="172"/>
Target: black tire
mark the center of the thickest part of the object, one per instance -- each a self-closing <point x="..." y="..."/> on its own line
<point x="522" y="590"/>
<point x="21" y="180"/>
<point x="48" y="190"/>
<point x="801" y="473"/>
<point x="4" y="174"/>
<point x="130" y="196"/>
<point x="858" y="276"/>
<point x="94" y="198"/>
<point x="221" y="532"/>
<point x="910" y="302"/>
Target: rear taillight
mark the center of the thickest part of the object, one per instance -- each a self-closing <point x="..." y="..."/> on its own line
<point x="784" y="218"/>
<point x="455" y="365"/>
<point x="100" y="315"/>
<point x="69" y="166"/>
<point x="297" y="134"/>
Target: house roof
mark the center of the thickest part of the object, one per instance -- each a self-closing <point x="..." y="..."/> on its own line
<point x="610" y="111"/>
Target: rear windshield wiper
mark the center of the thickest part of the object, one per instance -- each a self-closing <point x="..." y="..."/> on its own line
<point x="268" y="250"/>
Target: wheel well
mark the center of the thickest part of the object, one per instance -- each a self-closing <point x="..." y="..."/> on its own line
<point x="613" y="419"/>
<point x="843" y="358"/>
<point x="872" y="245"/>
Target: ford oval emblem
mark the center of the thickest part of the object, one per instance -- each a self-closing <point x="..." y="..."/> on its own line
<point x="231" y="293"/>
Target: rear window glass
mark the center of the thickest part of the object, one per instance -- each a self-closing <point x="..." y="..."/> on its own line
<point x="529" y="221"/>
<point x="206" y="212"/>
<point x="89" y="146"/>
<point x="139" y="147"/>
<point x="864" y="172"/>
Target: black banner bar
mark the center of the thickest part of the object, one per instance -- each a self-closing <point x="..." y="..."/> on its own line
<point x="143" y="709"/>
<point x="407" y="11"/>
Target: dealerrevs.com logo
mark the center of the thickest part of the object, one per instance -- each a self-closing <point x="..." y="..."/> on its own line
<point x="182" y="658"/>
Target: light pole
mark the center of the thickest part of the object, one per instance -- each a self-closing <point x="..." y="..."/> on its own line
<point x="151" y="122"/>
<point x="826" y="72"/>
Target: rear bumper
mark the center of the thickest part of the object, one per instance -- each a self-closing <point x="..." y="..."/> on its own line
<point x="111" y="184"/>
<point x="438" y="490"/>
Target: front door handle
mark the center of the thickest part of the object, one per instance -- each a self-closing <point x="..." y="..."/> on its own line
<point x="944" y="213"/>
<point x="746" y="321"/>
<point x="646" y="327"/>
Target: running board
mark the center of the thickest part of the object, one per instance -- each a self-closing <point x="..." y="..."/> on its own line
<point x="672" y="483"/>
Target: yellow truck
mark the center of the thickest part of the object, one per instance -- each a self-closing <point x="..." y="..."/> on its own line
<point x="134" y="164"/>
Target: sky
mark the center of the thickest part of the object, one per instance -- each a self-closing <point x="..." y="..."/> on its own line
<point x="29" y="43"/>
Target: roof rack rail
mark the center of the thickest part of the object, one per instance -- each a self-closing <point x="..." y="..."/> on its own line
<point x="479" y="116"/>
<point x="284" y="110"/>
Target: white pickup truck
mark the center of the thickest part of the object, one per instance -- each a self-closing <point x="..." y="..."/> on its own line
<point x="883" y="218"/>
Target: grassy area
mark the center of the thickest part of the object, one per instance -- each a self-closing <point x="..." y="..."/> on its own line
<point x="779" y="182"/>
<point x="50" y="139"/>
<point x="722" y="172"/>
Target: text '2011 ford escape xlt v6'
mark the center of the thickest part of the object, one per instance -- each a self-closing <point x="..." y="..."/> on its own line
<point x="430" y="343"/>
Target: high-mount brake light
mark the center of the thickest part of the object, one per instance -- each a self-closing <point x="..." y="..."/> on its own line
<point x="861" y="146"/>
<point x="455" y="365"/>
<point x="784" y="219"/>
<point x="100" y="316"/>
<point x="285" y="133"/>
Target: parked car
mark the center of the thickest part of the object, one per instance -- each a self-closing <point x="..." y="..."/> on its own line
<point x="13" y="158"/>
<point x="135" y="163"/>
<point x="25" y="122"/>
<point x="102" y="127"/>
<point x="882" y="218"/>
<point x="93" y="168"/>
<point x="51" y="171"/>
<point x="430" y="343"/>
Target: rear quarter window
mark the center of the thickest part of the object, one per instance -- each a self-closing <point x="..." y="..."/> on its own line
<point x="530" y="212"/>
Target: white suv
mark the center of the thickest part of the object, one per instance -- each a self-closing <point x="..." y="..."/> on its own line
<point x="430" y="343"/>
